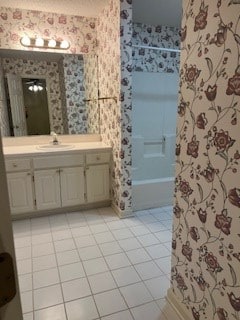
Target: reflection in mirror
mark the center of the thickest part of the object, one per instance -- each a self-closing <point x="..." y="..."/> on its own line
<point x="67" y="81"/>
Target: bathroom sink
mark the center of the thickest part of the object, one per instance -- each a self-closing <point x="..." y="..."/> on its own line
<point x="55" y="147"/>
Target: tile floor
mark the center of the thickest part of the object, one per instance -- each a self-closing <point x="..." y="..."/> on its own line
<point x="92" y="265"/>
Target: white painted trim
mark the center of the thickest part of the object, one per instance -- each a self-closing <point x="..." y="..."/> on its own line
<point x="178" y="307"/>
<point x="122" y="213"/>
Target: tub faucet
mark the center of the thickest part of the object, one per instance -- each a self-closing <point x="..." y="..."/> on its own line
<point x="55" y="138"/>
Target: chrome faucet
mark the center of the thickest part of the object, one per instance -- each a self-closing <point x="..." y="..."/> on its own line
<point x="55" y="138"/>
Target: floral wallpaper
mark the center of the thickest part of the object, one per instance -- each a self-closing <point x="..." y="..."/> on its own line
<point x="148" y="60"/>
<point x="16" y="23"/>
<point x="90" y="65"/>
<point x="73" y="69"/>
<point x="39" y="68"/>
<point x="115" y="81"/>
<point x="206" y="256"/>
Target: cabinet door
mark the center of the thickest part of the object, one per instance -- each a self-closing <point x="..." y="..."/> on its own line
<point x="97" y="183"/>
<point x="72" y="186"/>
<point x="47" y="187"/>
<point x="20" y="192"/>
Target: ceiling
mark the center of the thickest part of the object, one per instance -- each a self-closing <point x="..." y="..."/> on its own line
<point x="155" y="12"/>
<point x="88" y="8"/>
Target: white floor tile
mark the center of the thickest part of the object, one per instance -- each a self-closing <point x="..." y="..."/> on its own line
<point x="155" y="226"/>
<point x="67" y="257"/>
<point x="101" y="282"/>
<point x="147" y="218"/>
<point x="27" y="301"/>
<point x="129" y="244"/>
<point x="98" y="228"/>
<point x="148" y="270"/>
<point x="41" y="238"/>
<point x="146" y="311"/>
<point x="76" y="219"/>
<point x="109" y="302"/>
<point x="138" y="256"/>
<point x="125" y="276"/>
<point x="85" y="241"/>
<point x="168" y="245"/>
<point x="64" y="245"/>
<point x="23" y="253"/>
<point x="52" y="313"/>
<point x="81" y="309"/>
<point x="110" y="248"/>
<point x="22" y="228"/>
<point x="24" y="266"/>
<point x="42" y="249"/>
<point x="44" y="262"/>
<point x="95" y="266"/>
<point x="47" y="297"/>
<point x="148" y="240"/>
<point x="140" y="230"/>
<point x="164" y="264"/>
<point x="28" y="316"/>
<point x="89" y="253"/>
<point x="136" y="294"/>
<point x="81" y="231"/>
<point x="75" y="289"/>
<point x="71" y="271"/>
<point x="158" y="251"/>
<point x="45" y="278"/>
<point x="132" y="222"/>
<point x="114" y="225"/>
<point x="104" y="237"/>
<point x="61" y="234"/>
<point x="123" y="315"/>
<point x="164" y="236"/>
<point x="158" y="286"/>
<point x="22" y="242"/>
<point x="117" y="260"/>
<point x="123" y="233"/>
<point x="25" y="282"/>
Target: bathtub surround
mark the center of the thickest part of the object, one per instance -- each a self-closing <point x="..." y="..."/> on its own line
<point x="205" y="258"/>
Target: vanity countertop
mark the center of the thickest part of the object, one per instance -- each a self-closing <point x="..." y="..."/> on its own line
<point x="33" y="150"/>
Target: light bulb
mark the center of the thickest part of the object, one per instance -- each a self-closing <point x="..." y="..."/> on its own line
<point x="39" y="42"/>
<point x="64" y="44"/>
<point x="25" y="41"/>
<point x="52" y="43"/>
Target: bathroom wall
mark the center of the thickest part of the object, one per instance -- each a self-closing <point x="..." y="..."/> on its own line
<point x="115" y="81"/>
<point x="155" y="36"/>
<point x="75" y="93"/>
<point x="206" y="258"/>
<point x="90" y="63"/>
<point x="15" y="23"/>
<point x="40" y="68"/>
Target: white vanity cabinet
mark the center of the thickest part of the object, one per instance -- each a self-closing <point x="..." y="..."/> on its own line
<point x="50" y="182"/>
<point x="20" y="185"/>
<point x="59" y="181"/>
<point x="97" y="176"/>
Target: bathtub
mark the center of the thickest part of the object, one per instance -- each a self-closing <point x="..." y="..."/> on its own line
<point x="152" y="193"/>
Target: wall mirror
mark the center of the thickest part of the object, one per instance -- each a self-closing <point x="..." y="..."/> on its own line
<point x="42" y="92"/>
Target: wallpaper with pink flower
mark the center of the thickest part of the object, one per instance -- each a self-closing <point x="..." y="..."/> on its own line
<point x="206" y="255"/>
<point x="115" y="81"/>
<point x="16" y="23"/>
<point x="148" y="60"/>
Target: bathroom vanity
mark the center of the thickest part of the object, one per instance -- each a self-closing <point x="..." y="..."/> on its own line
<point x="46" y="179"/>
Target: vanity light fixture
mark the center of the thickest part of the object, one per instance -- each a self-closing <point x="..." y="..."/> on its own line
<point x="35" y="87"/>
<point x="44" y="43"/>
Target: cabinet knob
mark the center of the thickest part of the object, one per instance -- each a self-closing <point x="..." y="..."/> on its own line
<point x="14" y="165"/>
<point x="29" y="173"/>
<point x="98" y="158"/>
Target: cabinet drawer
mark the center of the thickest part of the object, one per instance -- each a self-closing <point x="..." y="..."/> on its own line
<point x="58" y="161"/>
<point x="18" y="165"/>
<point x="103" y="157"/>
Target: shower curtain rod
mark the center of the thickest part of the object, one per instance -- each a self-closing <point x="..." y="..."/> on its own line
<point x="156" y="48"/>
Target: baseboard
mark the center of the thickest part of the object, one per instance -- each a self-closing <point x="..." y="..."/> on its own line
<point x="122" y="213"/>
<point x="179" y="308"/>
